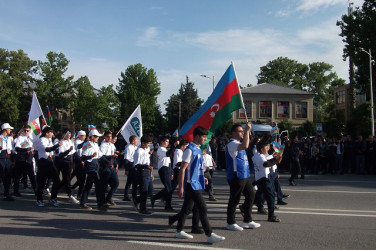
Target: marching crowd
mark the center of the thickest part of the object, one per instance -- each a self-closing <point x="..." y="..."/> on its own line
<point x="51" y="161"/>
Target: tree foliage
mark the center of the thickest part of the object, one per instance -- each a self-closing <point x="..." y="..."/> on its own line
<point x="140" y="86"/>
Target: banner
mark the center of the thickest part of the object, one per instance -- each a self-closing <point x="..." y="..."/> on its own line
<point x="133" y="126"/>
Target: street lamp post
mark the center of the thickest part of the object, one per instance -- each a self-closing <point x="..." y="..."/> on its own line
<point x="370" y="75"/>
<point x="209" y="78"/>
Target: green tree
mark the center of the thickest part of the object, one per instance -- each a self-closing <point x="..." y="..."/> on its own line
<point x="360" y="121"/>
<point x="138" y="85"/>
<point x="190" y="103"/>
<point x="17" y="72"/>
<point x="107" y="106"/>
<point x="358" y="30"/>
<point x="283" y="71"/>
<point x="309" y="128"/>
<point x="285" y="124"/>
<point x="84" y="99"/>
<point x="54" y="89"/>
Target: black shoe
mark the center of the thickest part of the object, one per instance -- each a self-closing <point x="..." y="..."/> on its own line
<point x="17" y="194"/>
<point x="126" y="198"/>
<point x="281" y="202"/>
<point x="302" y="177"/>
<point x="197" y="231"/>
<point x="274" y="219"/>
<point x="171" y="220"/>
<point x="103" y="207"/>
<point x="241" y="210"/>
<point x="8" y="198"/>
<point x="169" y="209"/>
<point x="110" y="202"/>
<point x="152" y="201"/>
<point x="135" y="204"/>
<point x="285" y="196"/>
<point x="262" y="211"/>
<point x="276" y="207"/>
<point x="145" y="212"/>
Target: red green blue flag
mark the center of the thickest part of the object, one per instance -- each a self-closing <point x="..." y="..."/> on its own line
<point x="274" y="130"/>
<point x="25" y="144"/>
<point x="91" y="127"/>
<point x="217" y="110"/>
<point x="278" y="147"/>
<point x="176" y="133"/>
<point x="86" y="146"/>
<point x="48" y="116"/>
<point x="35" y="127"/>
<point x="104" y="125"/>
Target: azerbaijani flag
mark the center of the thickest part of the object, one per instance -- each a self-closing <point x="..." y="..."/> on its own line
<point x="91" y="127"/>
<point x="48" y="116"/>
<point x="25" y="144"/>
<point x="274" y="130"/>
<point x="176" y="133"/>
<point x="86" y="146"/>
<point x="35" y="127"/>
<point x="218" y="109"/>
<point x="104" y="125"/>
<point x="278" y="147"/>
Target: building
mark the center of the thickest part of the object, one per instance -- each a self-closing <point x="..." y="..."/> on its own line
<point x="342" y="102"/>
<point x="270" y="103"/>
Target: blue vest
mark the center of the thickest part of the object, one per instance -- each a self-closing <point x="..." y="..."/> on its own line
<point x="196" y="170"/>
<point x="242" y="165"/>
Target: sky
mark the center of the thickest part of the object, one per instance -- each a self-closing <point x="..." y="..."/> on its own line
<point x="175" y="38"/>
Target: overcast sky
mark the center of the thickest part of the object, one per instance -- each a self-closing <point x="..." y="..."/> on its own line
<point x="174" y="37"/>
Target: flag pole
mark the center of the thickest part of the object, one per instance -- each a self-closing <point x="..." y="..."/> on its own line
<point x="241" y="96"/>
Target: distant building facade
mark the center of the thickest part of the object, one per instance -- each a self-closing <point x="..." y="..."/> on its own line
<point x="270" y="103"/>
<point x="342" y="101"/>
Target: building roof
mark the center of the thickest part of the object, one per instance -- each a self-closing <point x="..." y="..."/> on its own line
<point x="270" y="88"/>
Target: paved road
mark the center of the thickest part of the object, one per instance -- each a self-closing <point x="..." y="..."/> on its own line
<point x="323" y="212"/>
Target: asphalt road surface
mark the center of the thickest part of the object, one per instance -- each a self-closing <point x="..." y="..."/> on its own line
<point x="323" y="212"/>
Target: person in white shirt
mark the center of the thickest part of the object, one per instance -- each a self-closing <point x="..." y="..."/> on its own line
<point x="108" y="168"/>
<point x="264" y="175"/>
<point x="165" y="174"/>
<point x="209" y="165"/>
<point x="64" y="163"/>
<point x="24" y="160"/>
<point x="46" y="167"/>
<point x="144" y="177"/>
<point x="90" y="155"/>
<point x="5" y="161"/>
<point x="79" y="168"/>
<point x="130" y="171"/>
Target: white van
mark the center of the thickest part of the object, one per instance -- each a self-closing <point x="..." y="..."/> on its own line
<point x="260" y="129"/>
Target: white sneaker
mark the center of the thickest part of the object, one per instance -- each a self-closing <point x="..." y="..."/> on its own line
<point x="234" y="227"/>
<point x="183" y="235"/>
<point x="47" y="192"/>
<point x="213" y="238"/>
<point x="251" y="225"/>
<point x="40" y="203"/>
<point x="73" y="200"/>
<point x="54" y="202"/>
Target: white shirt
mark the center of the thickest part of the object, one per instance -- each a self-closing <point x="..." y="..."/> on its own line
<point x="260" y="171"/>
<point x="90" y="151"/>
<point x="6" y="143"/>
<point x="178" y="157"/>
<point x="66" y="146"/>
<point x="43" y="144"/>
<point x="163" y="160"/>
<point x="141" y="156"/>
<point x="21" y="140"/>
<point x="208" y="161"/>
<point x="130" y="149"/>
<point x="107" y="148"/>
<point x="232" y="148"/>
<point x="76" y="143"/>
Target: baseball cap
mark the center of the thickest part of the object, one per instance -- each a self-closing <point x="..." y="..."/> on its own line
<point x="81" y="132"/>
<point x="94" y="132"/>
<point x="5" y="126"/>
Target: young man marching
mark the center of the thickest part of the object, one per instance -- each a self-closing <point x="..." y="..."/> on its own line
<point x="239" y="178"/>
<point x="192" y="160"/>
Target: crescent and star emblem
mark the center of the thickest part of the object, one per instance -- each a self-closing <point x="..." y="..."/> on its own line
<point x="214" y="109"/>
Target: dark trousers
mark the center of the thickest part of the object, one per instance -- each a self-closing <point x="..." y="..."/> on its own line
<point x="93" y="178"/>
<point x="143" y="179"/>
<point x="132" y="175"/>
<point x="66" y="171"/>
<point x="21" y="168"/>
<point x="80" y="173"/>
<point x="165" y="174"/>
<point x="194" y="198"/>
<point x="209" y="188"/>
<point x="195" y="218"/>
<point x="110" y="177"/>
<point x="6" y="174"/>
<point x="175" y="180"/>
<point x="47" y="170"/>
<point x="277" y="186"/>
<point x="237" y="188"/>
<point x="266" y="187"/>
<point x="295" y="169"/>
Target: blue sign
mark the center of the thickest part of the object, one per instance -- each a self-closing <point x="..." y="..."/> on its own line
<point x="319" y="128"/>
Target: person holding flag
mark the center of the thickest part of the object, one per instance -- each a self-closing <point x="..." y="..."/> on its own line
<point x="24" y="160"/>
<point x="5" y="161"/>
<point x="239" y="178"/>
<point x="130" y="170"/>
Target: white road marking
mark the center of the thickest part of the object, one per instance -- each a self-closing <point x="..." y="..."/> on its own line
<point x="185" y="246"/>
<point x="329" y="191"/>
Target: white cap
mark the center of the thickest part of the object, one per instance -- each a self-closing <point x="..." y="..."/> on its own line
<point x="94" y="132"/>
<point x="5" y="126"/>
<point x="81" y="132"/>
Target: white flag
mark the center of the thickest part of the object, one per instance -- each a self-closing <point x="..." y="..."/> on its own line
<point x="35" y="110"/>
<point x="133" y="126"/>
